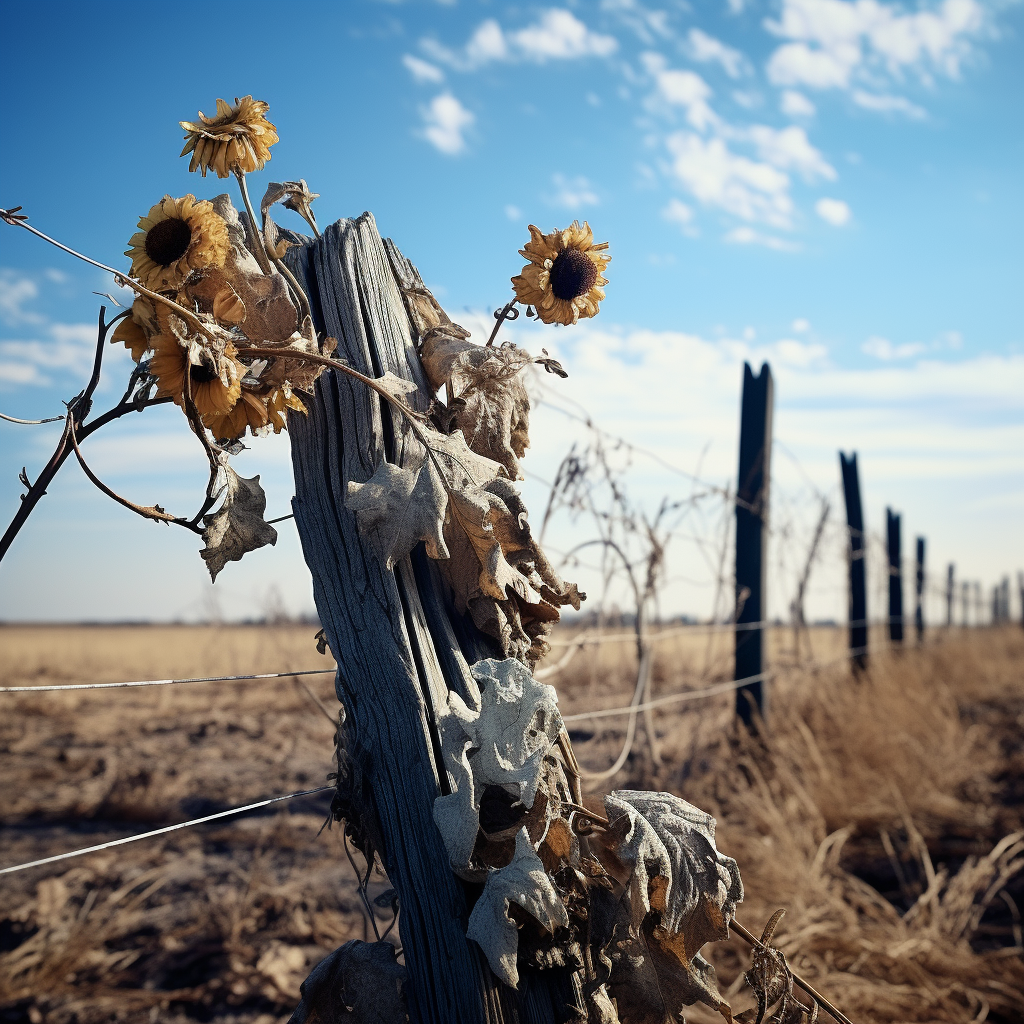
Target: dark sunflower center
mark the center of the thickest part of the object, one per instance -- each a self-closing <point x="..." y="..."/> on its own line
<point x="203" y="375"/>
<point x="572" y="274"/>
<point x="168" y="241"/>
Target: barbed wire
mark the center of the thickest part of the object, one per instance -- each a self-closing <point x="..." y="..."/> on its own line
<point x="165" y="682"/>
<point x="162" y="831"/>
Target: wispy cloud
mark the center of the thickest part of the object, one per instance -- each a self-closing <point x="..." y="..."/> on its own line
<point x="744" y="235"/>
<point x="834" y="211"/>
<point x="556" y="35"/>
<point x="706" y="49"/>
<point x="421" y="70"/>
<point x="445" y="120"/>
<point x="573" y="193"/>
<point x="882" y="348"/>
<point x="796" y="104"/>
<point x="16" y="291"/>
<point x="888" y="104"/>
<point x="833" y="42"/>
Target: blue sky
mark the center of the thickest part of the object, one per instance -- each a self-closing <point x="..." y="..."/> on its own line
<point x="833" y="185"/>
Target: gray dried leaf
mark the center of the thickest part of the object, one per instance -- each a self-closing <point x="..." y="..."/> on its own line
<point x="401" y="507"/>
<point x="238" y="526"/>
<point x="516" y="726"/>
<point x="489" y="402"/>
<point x="525" y="883"/>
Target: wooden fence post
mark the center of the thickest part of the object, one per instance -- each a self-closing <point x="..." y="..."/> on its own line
<point x="1020" y="587"/>
<point x="752" y="494"/>
<point x="919" y="591"/>
<point x="950" y="590"/>
<point x="978" y="604"/>
<point x="858" y="582"/>
<point x="391" y="632"/>
<point x="895" y="577"/>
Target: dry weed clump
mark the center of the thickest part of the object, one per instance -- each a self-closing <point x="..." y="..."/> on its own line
<point x="873" y="814"/>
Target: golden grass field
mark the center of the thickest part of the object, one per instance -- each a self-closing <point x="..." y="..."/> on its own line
<point x="871" y="814"/>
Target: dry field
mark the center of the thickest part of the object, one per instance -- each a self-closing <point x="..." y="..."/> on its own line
<point x="875" y="815"/>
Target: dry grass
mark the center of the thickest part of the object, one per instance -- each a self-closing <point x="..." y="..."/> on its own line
<point x="870" y="815"/>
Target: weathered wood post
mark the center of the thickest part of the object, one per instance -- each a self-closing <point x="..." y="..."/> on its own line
<point x="855" y="551"/>
<point x="919" y="591"/>
<point x="950" y="590"/>
<point x="895" y="577"/>
<point x="752" y="496"/>
<point x="391" y="631"/>
<point x="1020" y="588"/>
<point x="965" y="597"/>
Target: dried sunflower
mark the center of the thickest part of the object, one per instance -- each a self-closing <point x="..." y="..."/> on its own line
<point x="238" y="138"/>
<point x="135" y="331"/>
<point x="563" y="278"/>
<point x="216" y="380"/>
<point x="178" y="236"/>
<point x="249" y="411"/>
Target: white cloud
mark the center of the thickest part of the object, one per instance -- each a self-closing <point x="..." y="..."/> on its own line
<point x="682" y="89"/>
<point x="573" y="193"/>
<point x="421" y="70"/>
<point x="559" y="35"/>
<point x="645" y="23"/>
<point x="513" y="212"/>
<point x="65" y="348"/>
<point x="444" y="122"/>
<point x="800" y="325"/>
<point x="834" y="211"/>
<point x="796" y="104"/>
<point x="830" y="40"/>
<point x="556" y="35"/>
<point x="16" y="290"/>
<point x="487" y="43"/>
<point x="882" y="348"/>
<point x="888" y="104"/>
<point x="744" y="235"/>
<point x="705" y="48"/>
<point x="718" y="177"/>
<point x="678" y="212"/>
<point x="790" y="149"/>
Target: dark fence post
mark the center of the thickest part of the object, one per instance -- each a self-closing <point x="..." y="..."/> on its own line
<point x="919" y="591"/>
<point x="950" y="587"/>
<point x="858" y="582"/>
<point x="752" y="487"/>
<point x="1020" y="587"/>
<point x="895" y="578"/>
<point x="965" y="597"/>
<point x="995" y="604"/>
<point x="978" y="603"/>
<point x="1005" y="614"/>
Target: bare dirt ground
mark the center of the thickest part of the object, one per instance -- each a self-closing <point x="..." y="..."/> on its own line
<point x="876" y="813"/>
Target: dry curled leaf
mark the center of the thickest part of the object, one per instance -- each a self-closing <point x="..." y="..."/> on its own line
<point x="487" y="399"/>
<point x="401" y="507"/>
<point x="238" y="526"/>
<point x="525" y="883"/>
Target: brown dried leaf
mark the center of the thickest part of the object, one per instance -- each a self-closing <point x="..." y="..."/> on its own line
<point x="401" y="507"/>
<point x="238" y="526"/>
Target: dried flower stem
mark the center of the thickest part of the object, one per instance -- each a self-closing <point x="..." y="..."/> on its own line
<point x="507" y="312"/>
<point x="261" y="253"/>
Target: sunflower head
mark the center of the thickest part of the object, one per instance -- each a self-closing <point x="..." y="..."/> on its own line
<point x="176" y="238"/>
<point x="238" y="138"/>
<point x="250" y="411"/>
<point x="564" y="278"/>
<point x="215" y="376"/>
